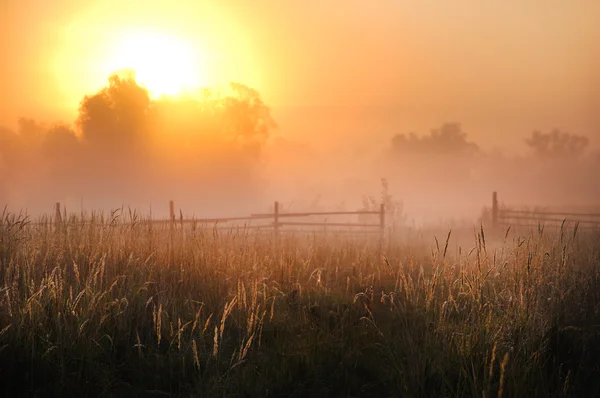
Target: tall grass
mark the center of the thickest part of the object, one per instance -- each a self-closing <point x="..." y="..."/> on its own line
<point x="117" y="306"/>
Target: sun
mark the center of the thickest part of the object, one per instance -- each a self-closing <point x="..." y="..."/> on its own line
<point x="165" y="65"/>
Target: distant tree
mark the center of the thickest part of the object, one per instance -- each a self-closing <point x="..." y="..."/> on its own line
<point x="61" y="161"/>
<point x="31" y="132"/>
<point x="557" y="144"/>
<point x="8" y="142"/>
<point x="214" y="122"/>
<point x="60" y="143"/>
<point x="247" y="120"/>
<point x="115" y="117"/>
<point x="449" y="139"/>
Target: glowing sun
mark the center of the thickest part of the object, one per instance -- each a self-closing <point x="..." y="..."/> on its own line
<point x="164" y="64"/>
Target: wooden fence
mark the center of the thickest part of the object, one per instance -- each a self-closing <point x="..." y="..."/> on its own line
<point x="505" y="216"/>
<point x="276" y="221"/>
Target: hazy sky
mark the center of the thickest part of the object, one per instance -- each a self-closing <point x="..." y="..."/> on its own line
<point x="499" y="67"/>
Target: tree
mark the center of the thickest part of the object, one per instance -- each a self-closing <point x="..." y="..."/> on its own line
<point x="557" y="144"/>
<point x="247" y="120"/>
<point x="8" y="144"/>
<point x="115" y="117"/>
<point x="60" y="143"/>
<point x="31" y="133"/>
<point x="449" y="139"/>
<point x="213" y="124"/>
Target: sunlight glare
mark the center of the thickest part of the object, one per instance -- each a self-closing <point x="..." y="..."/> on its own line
<point x="164" y="64"/>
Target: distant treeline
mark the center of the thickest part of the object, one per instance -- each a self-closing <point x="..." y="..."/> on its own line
<point x="126" y="145"/>
<point x="208" y="150"/>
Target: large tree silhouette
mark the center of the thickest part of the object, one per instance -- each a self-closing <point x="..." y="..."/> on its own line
<point x="115" y="117"/>
<point x="216" y="136"/>
<point x="134" y="143"/>
<point x="231" y="121"/>
<point x="128" y="148"/>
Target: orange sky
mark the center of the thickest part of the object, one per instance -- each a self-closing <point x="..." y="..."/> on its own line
<point x="496" y="66"/>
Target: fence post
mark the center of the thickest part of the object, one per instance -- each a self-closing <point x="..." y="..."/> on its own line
<point x="494" y="210"/>
<point x="171" y="211"/>
<point x="57" y="216"/>
<point x="276" y="217"/>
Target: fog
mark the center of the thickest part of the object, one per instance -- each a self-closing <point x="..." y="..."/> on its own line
<point x="222" y="153"/>
<point x="125" y="149"/>
<point x="444" y="102"/>
<point x="442" y="175"/>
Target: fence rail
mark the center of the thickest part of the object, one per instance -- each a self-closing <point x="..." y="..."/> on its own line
<point x="276" y="220"/>
<point x="328" y="224"/>
<point x="327" y="213"/>
<point x="524" y="218"/>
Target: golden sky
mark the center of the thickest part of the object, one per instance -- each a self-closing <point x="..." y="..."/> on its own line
<point x="514" y="64"/>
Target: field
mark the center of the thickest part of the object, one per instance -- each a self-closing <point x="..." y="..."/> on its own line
<point x="134" y="309"/>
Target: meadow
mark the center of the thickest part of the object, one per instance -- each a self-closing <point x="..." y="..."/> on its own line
<point x="122" y="307"/>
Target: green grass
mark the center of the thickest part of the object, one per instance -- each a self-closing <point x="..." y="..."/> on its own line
<point x="115" y="309"/>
